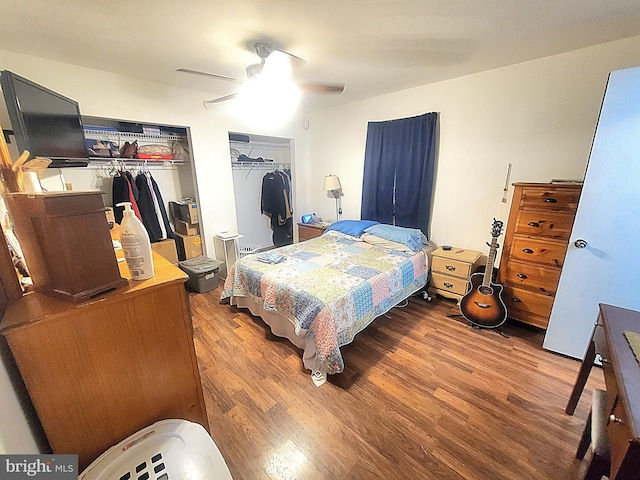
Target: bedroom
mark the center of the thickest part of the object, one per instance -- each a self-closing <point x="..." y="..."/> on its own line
<point x="507" y="115"/>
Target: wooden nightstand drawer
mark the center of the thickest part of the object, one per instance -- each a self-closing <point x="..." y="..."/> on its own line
<point x="457" y="261"/>
<point x="451" y="267"/>
<point x="307" y="231"/>
<point x="449" y="283"/>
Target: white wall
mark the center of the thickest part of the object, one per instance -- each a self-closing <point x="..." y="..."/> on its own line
<point x="110" y="95"/>
<point x="540" y="116"/>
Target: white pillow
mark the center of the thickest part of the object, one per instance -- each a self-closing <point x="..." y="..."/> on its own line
<point x="383" y="242"/>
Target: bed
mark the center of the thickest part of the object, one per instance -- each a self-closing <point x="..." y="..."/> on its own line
<point x="321" y="292"/>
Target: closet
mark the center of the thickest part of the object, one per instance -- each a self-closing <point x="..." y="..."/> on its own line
<point x="163" y="152"/>
<point x="252" y="158"/>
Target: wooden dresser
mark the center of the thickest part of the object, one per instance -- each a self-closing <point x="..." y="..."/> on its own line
<point x="101" y="370"/>
<point x="450" y="271"/>
<point x="307" y="231"/>
<point x="535" y="245"/>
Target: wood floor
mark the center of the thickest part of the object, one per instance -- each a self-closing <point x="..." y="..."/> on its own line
<point x="422" y="396"/>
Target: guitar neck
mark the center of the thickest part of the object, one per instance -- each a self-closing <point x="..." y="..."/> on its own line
<point x="488" y="271"/>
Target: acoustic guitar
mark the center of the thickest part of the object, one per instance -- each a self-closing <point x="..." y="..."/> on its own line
<point x="482" y="305"/>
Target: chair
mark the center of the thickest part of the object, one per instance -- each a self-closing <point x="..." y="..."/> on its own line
<point x="595" y="434"/>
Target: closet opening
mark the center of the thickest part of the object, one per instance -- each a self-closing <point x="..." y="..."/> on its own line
<point x="263" y="190"/>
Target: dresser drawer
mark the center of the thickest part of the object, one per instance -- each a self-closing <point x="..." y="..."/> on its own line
<point x="449" y="283"/>
<point x="546" y="252"/>
<point x="544" y="224"/>
<point x="550" y="199"/>
<point x="539" y="278"/>
<point x="533" y="308"/>
<point x="451" y="267"/>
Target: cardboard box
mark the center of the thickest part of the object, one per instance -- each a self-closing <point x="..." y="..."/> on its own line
<point x="167" y="248"/>
<point x="185" y="211"/>
<point x="186" y="228"/>
<point x="192" y="245"/>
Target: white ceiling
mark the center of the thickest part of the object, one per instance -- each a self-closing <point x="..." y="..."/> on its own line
<point x="373" y="47"/>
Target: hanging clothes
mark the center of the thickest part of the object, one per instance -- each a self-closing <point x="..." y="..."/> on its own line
<point x="276" y="204"/>
<point x="122" y="190"/>
<point x="156" y="205"/>
<point x="148" y="209"/>
<point x="163" y="211"/>
<point x="276" y="192"/>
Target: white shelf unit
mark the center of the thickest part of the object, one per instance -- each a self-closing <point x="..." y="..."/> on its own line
<point x="120" y="131"/>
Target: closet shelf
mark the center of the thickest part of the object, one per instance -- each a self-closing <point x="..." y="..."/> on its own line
<point x="111" y="135"/>
<point x="129" y="161"/>
<point x="260" y="166"/>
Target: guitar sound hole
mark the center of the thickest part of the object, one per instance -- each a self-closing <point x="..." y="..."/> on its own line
<point x="485" y="290"/>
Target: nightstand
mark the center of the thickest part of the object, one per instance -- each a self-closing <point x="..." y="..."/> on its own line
<point x="450" y="271"/>
<point x="307" y="231"/>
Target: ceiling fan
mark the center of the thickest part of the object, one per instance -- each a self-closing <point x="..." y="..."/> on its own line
<point x="254" y="71"/>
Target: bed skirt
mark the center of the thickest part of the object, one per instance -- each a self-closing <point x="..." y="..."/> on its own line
<point x="282" y="327"/>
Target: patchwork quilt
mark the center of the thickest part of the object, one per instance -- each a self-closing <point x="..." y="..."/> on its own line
<point x="330" y="287"/>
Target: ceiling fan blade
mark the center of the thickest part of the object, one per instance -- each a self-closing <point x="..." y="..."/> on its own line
<point x="208" y="75"/>
<point x="295" y="57"/>
<point x="336" y="88"/>
<point x="206" y="103"/>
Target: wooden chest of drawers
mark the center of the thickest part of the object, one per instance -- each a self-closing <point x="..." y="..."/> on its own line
<point x="450" y="271"/>
<point x="535" y="245"/>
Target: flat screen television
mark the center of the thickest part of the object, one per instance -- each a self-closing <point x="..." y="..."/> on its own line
<point x="44" y="122"/>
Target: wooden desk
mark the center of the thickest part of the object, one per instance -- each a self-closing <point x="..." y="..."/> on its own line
<point x="622" y="379"/>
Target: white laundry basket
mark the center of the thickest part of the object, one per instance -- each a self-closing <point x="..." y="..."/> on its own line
<point x="166" y="450"/>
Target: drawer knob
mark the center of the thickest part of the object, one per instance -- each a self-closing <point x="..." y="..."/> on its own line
<point x="614" y="419"/>
<point x="516" y="299"/>
<point x="451" y="268"/>
<point x="448" y="285"/>
<point x="533" y="224"/>
<point x="550" y="200"/>
<point x="527" y="250"/>
<point x="522" y="276"/>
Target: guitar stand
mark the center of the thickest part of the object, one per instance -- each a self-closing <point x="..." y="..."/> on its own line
<point x="473" y="325"/>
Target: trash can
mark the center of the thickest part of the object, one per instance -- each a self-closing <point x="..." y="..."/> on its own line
<point x="203" y="273"/>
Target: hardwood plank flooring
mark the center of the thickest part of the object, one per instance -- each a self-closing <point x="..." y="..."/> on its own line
<point x="422" y="396"/>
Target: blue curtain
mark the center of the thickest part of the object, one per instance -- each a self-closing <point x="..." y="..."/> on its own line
<point x="398" y="171"/>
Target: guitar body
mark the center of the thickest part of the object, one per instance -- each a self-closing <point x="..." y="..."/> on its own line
<point x="482" y="305"/>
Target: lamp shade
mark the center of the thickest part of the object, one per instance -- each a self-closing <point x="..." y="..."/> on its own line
<point x="332" y="182"/>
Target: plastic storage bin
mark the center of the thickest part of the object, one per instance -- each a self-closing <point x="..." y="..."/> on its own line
<point x="203" y="273"/>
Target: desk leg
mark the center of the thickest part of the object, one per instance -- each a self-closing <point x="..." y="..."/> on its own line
<point x="583" y="374"/>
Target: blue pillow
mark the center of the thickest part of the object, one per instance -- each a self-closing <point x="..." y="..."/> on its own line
<point x="354" y="228"/>
<point x="411" y="237"/>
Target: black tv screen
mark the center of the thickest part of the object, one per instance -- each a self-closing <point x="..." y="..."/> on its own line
<point x="44" y="122"/>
